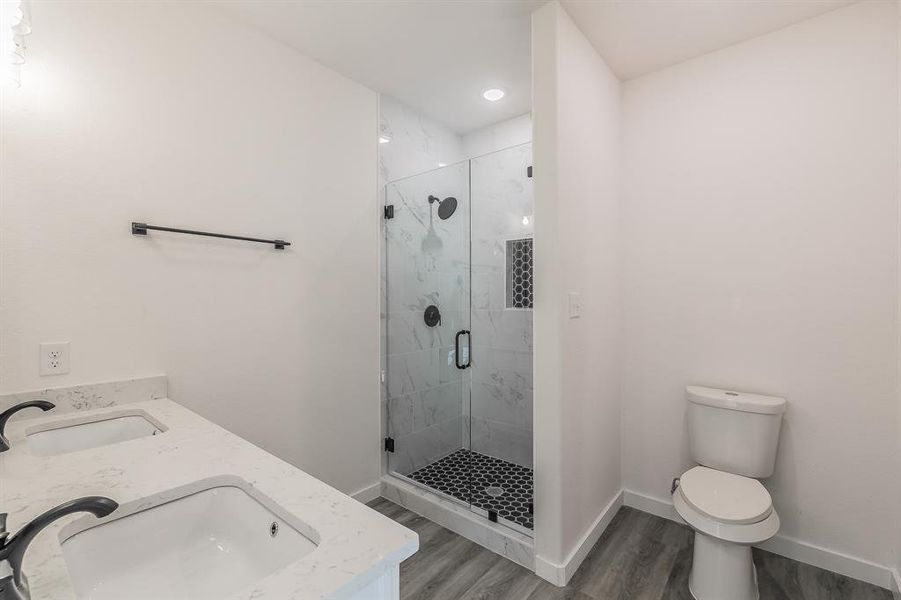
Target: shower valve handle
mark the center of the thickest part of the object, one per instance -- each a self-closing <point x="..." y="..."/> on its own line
<point x="457" y="349"/>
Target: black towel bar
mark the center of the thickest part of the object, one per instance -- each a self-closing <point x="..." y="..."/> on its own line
<point x="143" y="228"/>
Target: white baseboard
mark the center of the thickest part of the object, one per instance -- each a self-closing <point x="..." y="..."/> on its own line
<point x="649" y="504"/>
<point x="850" y="566"/>
<point x="368" y="493"/>
<point x="549" y="571"/>
<point x="560" y="574"/>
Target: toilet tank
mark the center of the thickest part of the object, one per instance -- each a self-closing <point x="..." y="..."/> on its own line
<point x="734" y="431"/>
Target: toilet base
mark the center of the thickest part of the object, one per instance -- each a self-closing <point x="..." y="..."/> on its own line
<point x="722" y="570"/>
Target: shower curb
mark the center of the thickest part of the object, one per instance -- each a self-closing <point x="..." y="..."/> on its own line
<point x="449" y="514"/>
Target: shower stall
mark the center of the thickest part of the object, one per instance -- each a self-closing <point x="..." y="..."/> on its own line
<point x="458" y="333"/>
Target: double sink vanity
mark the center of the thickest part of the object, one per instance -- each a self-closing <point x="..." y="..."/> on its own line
<point x="194" y="512"/>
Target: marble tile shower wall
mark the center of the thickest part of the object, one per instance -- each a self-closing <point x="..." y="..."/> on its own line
<point x="501" y="406"/>
<point x="427" y="265"/>
<point x="428" y="400"/>
<point x="417" y="145"/>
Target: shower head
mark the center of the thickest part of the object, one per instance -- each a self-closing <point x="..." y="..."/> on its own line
<point x="446" y="207"/>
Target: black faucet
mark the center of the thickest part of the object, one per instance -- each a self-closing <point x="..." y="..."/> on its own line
<point x="13" y="583"/>
<point x="6" y="414"/>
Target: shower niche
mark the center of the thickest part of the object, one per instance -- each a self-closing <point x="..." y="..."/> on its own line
<point x="459" y="386"/>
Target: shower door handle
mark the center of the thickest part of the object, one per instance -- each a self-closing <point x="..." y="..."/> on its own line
<point x="457" y="349"/>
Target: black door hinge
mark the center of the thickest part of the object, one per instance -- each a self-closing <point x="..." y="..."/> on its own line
<point x="389" y="211"/>
<point x="389" y="444"/>
<point x="492" y="516"/>
<point x="529" y="171"/>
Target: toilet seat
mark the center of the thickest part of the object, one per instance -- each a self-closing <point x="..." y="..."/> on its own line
<point x="725" y="497"/>
<point x="748" y="533"/>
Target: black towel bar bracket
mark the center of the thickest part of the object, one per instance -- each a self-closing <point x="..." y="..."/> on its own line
<point x="143" y="228"/>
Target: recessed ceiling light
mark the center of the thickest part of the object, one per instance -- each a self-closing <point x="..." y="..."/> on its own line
<point x="442" y="164"/>
<point x="493" y="95"/>
<point x="384" y="139"/>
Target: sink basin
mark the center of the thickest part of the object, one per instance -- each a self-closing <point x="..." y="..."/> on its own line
<point x="209" y="544"/>
<point x="61" y="437"/>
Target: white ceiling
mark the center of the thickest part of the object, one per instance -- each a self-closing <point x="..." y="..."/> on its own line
<point x="639" y="36"/>
<point x="436" y="55"/>
<point x="439" y="55"/>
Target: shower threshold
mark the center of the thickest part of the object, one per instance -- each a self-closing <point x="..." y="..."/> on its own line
<point x="485" y="482"/>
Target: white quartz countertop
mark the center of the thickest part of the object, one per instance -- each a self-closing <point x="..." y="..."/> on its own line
<point x="356" y="544"/>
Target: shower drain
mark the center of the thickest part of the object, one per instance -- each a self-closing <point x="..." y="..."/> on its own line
<point x="494" y="491"/>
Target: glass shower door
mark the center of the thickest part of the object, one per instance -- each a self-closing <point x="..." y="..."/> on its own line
<point x="501" y="405"/>
<point x="428" y="324"/>
<point x="459" y="333"/>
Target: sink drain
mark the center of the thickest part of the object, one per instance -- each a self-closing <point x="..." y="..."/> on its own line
<point x="494" y="491"/>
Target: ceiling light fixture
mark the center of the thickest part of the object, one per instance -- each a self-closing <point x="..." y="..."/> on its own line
<point x="493" y="95"/>
<point x="384" y="139"/>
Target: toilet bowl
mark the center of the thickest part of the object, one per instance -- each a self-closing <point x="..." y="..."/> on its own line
<point x="729" y="513"/>
<point x="733" y="437"/>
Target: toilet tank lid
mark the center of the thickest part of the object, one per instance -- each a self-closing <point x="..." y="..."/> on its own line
<point x="729" y="399"/>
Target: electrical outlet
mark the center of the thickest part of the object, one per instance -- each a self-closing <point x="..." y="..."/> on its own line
<point x="575" y="305"/>
<point x="54" y="358"/>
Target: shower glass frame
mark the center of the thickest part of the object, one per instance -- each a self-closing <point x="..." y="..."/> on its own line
<point x="420" y="360"/>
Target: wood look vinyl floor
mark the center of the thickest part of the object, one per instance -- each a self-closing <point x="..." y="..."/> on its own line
<point x="639" y="557"/>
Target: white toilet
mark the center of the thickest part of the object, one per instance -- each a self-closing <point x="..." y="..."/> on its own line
<point x="733" y="436"/>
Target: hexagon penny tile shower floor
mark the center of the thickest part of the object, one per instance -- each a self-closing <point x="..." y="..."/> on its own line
<point x="484" y="481"/>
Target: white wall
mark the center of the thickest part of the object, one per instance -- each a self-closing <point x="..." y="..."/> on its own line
<point x="897" y="562"/>
<point x="576" y="112"/>
<point x="177" y="116"/>
<point x="761" y="236"/>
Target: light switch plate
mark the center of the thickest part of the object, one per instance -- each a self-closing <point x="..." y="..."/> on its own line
<point x="575" y="305"/>
<point x="54" y="358"/>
